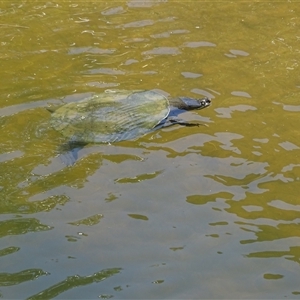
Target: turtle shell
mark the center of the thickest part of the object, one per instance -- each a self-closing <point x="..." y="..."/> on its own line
<point x="111" y="116"/>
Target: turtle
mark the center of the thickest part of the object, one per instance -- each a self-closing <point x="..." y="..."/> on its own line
<point x="117" y="115"/>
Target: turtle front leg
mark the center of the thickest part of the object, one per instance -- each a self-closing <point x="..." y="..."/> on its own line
<point x="173" y="120"/>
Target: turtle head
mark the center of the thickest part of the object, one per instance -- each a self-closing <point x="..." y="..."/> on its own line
<point x="187" y="103"/>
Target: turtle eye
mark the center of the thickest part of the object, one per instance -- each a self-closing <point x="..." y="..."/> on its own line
<point x="205" y="102"/>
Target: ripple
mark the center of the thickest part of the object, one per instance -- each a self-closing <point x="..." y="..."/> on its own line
<point x="235" y="53"/>
<point x="136" y="40"/>
<point x="288" y="146"/>
<point x="162" y="51"/>
<point x="89" y="221"/>
<point x="92" y="50"/>
<point x="138" y="217"/>
<point x="137" y="24"/>
<point x="225" y="112"/>
<point x="198" y="44"/>
<point x="10" y="155"/>
<point x="240" y="94"/>
<point x="283" y="205"/>
<point x="130" y="62"/>
<point x="107" y="71"/>
<point x="102" y="85"/>
<point x="291" y="107"/>
<point x="203" y="92"/>
<point x="190" y="75"/>
<point x="167" y="34"/>
<point x="113" y="11"/>
<point x="145" y="3"/>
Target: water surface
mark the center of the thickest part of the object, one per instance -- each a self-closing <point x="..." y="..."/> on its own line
<point x="181" y="213"/>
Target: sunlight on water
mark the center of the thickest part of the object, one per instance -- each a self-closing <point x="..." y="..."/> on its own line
<point x="182" y="212"/>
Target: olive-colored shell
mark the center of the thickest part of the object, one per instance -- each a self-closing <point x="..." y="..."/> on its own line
<point x="111" y="116"/>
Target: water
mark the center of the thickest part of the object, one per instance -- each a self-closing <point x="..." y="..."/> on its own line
<point x="180" y="213"/>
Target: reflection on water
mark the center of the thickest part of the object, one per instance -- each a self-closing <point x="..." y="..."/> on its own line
<point x="21" y="226"/>
<point x="73" y="282"/>
<point x="220" y="201"/>
<point x="19" y="277"/>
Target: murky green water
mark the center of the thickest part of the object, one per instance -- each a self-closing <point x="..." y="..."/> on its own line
<point x="182" y="213"/>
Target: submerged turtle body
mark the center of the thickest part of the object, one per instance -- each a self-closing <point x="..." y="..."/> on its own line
<point x="115" y="116"/>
